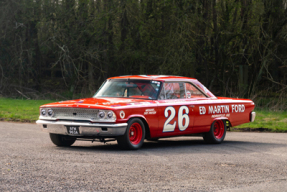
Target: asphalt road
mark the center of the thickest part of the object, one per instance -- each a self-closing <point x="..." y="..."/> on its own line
<point x="244" y="162"/>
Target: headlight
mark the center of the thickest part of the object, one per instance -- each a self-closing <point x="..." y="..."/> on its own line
<point x="104" y="115"/>
<point x="101" y="114"/>
<point x="110" y="114"/>
<point x="43" y="112"/>
<point x="50" y="112"/>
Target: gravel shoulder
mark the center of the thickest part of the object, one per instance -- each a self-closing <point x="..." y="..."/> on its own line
<point x="244" y="162"/>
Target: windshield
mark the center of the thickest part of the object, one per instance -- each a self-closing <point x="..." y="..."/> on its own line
<point x="141" y="89"/>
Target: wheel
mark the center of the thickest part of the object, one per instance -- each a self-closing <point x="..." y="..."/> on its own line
<point x="217" y="132"/>
<point x="62" y="140"/>
<point x="134" y="135"/>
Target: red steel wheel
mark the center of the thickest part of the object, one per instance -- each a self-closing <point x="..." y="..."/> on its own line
<point x="217" y="132"/>
<point x="134" y="135"/>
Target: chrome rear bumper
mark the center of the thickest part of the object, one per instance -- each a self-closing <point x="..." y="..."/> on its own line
<point x="252" y="116"/>
<point x="85" y="128"/>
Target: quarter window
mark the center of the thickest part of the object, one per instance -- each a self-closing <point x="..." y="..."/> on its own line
<point x="193" y="92"/>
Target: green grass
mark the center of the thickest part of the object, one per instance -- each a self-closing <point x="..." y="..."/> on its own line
<point x="273" y="120"/>
<point x="20" y="110"/>
<point x="28" y="111"/>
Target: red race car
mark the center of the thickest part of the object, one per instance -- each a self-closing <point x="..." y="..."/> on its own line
<point x="130" y="109"/>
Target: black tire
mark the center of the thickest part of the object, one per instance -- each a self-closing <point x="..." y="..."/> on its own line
<point x="217" y="132"/>
<point x="134" y="135"/>
<point x="62" y="140"/>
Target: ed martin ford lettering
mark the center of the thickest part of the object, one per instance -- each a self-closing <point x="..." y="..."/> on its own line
<point x="130" y="109"/>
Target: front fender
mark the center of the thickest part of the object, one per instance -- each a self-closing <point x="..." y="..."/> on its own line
<point x="136" y="116"/>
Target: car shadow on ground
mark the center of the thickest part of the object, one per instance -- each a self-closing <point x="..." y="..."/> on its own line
<point x="179" y="145"/>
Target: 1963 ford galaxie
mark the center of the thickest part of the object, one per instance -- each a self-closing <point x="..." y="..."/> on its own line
<point x="130" y="109"/>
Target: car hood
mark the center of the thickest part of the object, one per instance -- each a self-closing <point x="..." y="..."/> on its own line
<point x="98" y="102"/>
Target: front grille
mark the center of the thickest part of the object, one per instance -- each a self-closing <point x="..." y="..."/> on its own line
<point x="75" y="113"/>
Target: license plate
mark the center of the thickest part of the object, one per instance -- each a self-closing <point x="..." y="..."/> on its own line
<point x="72" y="130"/>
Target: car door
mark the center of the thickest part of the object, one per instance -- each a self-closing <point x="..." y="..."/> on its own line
<point x="175" y="110"/>
<point x="201" y="122"/>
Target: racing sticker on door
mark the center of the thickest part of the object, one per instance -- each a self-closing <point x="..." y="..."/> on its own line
<point x="183" y="118"/>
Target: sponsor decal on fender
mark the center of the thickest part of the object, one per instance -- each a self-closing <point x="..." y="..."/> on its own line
<point x="222" y="109"/>
<point x="220" y="115"/>
<point x="218" y="109"/>
<point x="149" y="112"/>
<point x="238" y="108"/>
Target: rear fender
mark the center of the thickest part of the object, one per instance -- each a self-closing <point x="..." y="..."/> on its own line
<point x="222" y="119"/>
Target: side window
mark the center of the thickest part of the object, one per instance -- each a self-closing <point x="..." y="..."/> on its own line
<point x="179" y="90"/>
<point x="172" y="91"/>
<point x="193" y="92"/>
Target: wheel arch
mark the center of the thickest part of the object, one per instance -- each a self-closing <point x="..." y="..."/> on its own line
<point x="147" y="135"/>
<point x="225" y="119"/>
<point x="217" y="131"/>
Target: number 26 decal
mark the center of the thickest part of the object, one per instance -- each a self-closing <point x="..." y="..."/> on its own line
<point x="170" y="127"/>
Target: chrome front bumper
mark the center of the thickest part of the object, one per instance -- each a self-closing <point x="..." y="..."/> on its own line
<point x="85" y="129"/>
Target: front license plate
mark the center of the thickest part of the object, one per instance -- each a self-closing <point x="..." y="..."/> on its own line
<point x="72" y="130"/>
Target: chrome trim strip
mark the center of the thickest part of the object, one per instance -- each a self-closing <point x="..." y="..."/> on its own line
<point x="76" y="119"/>
<point x="73" y="123"/>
